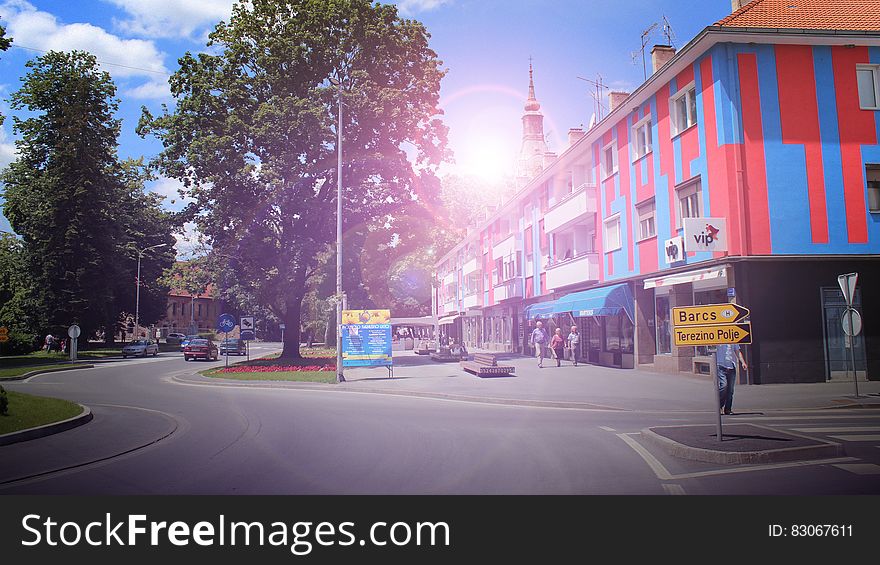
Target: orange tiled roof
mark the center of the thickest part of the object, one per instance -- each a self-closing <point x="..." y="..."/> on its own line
<point x="848" y="15"/>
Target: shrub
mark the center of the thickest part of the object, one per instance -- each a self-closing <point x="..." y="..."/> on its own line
<point x="19" y="343"/>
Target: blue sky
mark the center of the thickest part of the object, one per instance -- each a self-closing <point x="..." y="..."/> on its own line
<point x="484" y="44"/>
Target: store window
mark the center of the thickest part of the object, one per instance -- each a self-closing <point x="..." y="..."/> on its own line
<point x="618" y="334"/>
<point x="664" y="331"/>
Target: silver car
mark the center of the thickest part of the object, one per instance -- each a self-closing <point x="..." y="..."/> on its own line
<point x="140" y="348"/>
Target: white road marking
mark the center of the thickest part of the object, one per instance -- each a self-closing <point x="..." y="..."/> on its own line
<point x="606" y="428"/>
<point x="673" y="489"/>
<point x="833" y="429"/>
<point x="861" y="468"/>
<point x="869" y="437"/>
<point x="655" y="465"/>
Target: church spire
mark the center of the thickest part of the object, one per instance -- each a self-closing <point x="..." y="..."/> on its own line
<point x="532" y="104"/>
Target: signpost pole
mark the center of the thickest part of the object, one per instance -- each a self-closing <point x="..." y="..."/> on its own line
<point x="847" y="285"/>
<point x="226" y="339"/>
<point x="852" y="353"/>
<point x="717" y="405"/>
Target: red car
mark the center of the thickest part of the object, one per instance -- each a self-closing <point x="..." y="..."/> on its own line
<point x="201" y="349"/>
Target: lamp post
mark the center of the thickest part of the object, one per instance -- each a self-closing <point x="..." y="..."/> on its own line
<point x="137" y="301"/>
<point x="340" y="377"/>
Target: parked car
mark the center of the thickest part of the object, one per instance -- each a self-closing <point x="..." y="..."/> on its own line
<point x="140" y="348"/>
<point x="188" y="338"/>
<point x="201" y="349"/>
<point x="174" y="338"/>
<point x="234" y="346"/>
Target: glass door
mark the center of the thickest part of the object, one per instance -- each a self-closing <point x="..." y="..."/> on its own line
<point x="838" y="364"/>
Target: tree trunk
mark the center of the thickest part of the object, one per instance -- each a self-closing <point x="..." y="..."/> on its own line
<point x="292" y="316"/>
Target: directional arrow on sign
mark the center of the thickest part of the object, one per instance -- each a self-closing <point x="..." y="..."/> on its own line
<point x="708" y="314"/>
<point x="713" y="335"/>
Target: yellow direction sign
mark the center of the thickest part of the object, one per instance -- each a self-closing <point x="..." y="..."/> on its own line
<point x="708" y="314"/>
<point x="4" y="338"/>
<point x="713" y="335"/>
<point x="4" y="330"/>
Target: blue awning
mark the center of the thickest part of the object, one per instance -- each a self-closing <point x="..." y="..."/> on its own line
<point x="604" y="301"/>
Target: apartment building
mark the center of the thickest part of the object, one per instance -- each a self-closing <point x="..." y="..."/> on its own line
<point x="745" y="169"/>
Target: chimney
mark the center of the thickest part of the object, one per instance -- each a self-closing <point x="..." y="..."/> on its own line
<point x="615" y="99"/>
<point x="660" y="54"/>
<point x="737" y="4"/>
<point x="574" y="134"/>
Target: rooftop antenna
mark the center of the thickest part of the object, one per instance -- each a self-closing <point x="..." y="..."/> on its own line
<point x="668" y="33"/>
<point x="645" y="35"/>
<point x="597" y="96"/>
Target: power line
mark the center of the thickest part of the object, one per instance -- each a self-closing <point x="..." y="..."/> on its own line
<point x="165" y="74"/>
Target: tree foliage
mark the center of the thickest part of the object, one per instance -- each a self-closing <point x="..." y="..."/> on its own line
<point x="253" y="135"/>
<point x="75" y="206"/>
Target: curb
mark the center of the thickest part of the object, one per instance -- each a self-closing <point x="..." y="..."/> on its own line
<point x="48" y="429"/>
<point x="826" y="449"/>
<point x="42" y="371"/>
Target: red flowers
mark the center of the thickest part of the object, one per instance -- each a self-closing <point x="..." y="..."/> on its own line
<point x="276" y="368"/>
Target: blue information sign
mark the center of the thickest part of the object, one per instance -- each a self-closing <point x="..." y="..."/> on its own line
<point x="226" y="323"/>
<point x="248" y="335"/>
<point x="366" y="345"/>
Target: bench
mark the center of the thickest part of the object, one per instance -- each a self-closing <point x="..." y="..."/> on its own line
<point x="485" y="364"/>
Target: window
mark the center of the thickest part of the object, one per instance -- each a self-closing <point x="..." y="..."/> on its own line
<point x="872" y="173"/>
<point x="612" y="233"/>
<point x="868" y="77"/>
<point x="609" y="160"/>
<point x="689" y="202"/>
<point x="645" y="212"/>
<point x="683" y="109"/>
<point x="641" y="144"/>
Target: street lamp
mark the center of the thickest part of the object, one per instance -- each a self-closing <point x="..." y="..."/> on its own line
<point x="137" y="301"/>
<point x="340" y="377"/>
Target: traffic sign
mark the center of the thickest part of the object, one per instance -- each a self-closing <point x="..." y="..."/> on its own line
<point x="852" y="322"/>
<point x="847" y="284"/>
<point x="247" y="323"/>
<point x="73" y="331"/>
<point x="248" y="335"/>
<point x="708" y="314"/>
<point x="713" y="335"/>
<point x="225" y="323"/>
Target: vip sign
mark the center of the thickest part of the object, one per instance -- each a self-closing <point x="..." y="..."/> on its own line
<point x="673" y="250"/>
<point x="705" y="234"/>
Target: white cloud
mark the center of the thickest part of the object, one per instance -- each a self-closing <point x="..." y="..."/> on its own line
<point x="189" y="242"/>
<point x="122" y="58"/>
<point x="156" y="89"/>
<point x="171" y="18"/>
<point x="410" y="7"/>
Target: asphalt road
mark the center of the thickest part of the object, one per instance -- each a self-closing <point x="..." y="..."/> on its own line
<point x="155" y="433"/>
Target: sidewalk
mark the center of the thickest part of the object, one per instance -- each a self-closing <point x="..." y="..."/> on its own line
<point x="590" y="386"/>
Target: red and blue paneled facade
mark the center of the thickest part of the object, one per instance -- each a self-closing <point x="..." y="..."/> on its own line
<point x="780" y="148"/>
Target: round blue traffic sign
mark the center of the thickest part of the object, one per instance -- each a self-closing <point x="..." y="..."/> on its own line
<point x="226" y="322"/>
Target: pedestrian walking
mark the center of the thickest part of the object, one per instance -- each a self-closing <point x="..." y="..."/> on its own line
<point x="572" y="343"/>
<point x="539" y="340"/>
<point x="726" y="357"/>
<point x="557" y="344"/>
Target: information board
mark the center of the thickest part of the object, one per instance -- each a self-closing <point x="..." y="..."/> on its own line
<point x="366" y="338"/>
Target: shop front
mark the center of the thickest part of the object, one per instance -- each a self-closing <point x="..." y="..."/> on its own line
<point x="604" y="318"/>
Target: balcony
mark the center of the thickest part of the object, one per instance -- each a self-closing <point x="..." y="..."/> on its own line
<point x="583" y="268"/>
<point x="472" y="301"/>
<point x="511" y="288"/>
<point x="449" y="278"/>
<point x="470" y="267"/>
<point x="506" y="247"/>
<point x="574" y="207"/>
<point x="448" y="307"/>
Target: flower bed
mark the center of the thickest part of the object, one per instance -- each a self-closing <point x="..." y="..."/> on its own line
<point x="276" y="368"/>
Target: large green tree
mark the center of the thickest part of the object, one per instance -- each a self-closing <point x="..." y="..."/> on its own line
<point x="69" y="198"/>
<point x="253" y="135"/>
<point x="5" y="42"/>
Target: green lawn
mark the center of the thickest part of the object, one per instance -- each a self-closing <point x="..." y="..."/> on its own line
<point x="265" y="368"/>
<point x="26" y="411"/>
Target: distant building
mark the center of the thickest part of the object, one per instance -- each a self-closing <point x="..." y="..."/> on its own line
<point x="745" y="169"/>
<point x="190" y="314"/>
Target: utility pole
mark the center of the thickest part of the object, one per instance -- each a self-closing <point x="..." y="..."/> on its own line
<point x="340" y="377"/>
